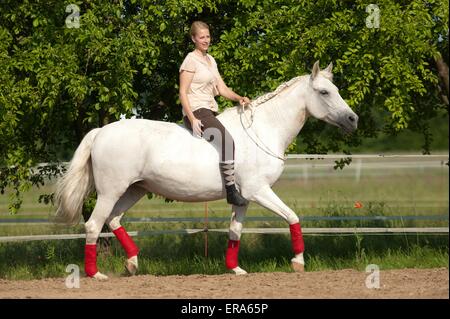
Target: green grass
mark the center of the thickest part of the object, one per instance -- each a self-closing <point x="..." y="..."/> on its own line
<point x="326" y="192"/>
<point x="402" y="191"/>
<point x="184" y="255"/>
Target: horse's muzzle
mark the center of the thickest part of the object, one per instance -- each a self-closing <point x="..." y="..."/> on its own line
<point x="349" y="122"/>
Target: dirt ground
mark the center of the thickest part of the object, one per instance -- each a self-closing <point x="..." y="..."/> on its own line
<point x="404" y="283"/>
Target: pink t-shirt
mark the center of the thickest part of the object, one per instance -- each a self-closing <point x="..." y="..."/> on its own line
<point x="203" y="87"/>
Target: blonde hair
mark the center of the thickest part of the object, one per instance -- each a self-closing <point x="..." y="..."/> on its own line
<point x="197" y="25"/>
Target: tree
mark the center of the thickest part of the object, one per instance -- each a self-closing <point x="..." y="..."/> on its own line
<point x="386" y="72"/>
<point x="63" y="75"/>
<point x="58" y="80"/>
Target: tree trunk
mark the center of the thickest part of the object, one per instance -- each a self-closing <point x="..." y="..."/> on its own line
<point x="79" y="126"/>
<point x="442" y="68"/>
<point x="103" y="118"/>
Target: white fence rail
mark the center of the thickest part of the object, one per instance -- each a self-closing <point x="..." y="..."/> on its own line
<point x="306" y="231"/>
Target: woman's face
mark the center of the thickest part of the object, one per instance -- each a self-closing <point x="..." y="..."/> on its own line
<point x="202" y="39"/>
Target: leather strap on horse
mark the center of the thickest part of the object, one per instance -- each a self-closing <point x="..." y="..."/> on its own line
<point x="265" y="149"/>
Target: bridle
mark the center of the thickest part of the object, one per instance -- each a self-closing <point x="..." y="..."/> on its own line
<point x="259" y="144"/>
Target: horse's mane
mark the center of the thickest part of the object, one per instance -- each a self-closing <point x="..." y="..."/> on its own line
<point x="268" y="96"/>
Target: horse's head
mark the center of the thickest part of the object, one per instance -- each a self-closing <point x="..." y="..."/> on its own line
<point x="324" y="102"/>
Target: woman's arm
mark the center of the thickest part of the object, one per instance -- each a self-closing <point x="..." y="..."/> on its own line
<point x="228" y="93"/>
<point x="185" y="82"/>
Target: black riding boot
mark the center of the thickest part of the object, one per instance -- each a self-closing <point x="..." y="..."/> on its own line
<point x="233" y="196"/>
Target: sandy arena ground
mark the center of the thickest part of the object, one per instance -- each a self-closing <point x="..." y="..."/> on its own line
<point x="405" y="283"/>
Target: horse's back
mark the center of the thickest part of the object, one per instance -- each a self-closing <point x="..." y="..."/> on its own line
<point x="161" y="155"/>
<point x="154" y="141"/>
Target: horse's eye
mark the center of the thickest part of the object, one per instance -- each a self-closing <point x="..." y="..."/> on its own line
<point x="324" y="92"/>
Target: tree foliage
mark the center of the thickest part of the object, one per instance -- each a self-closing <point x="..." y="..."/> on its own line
<point x="59" y="81"/>
<point x="387" y="74"/>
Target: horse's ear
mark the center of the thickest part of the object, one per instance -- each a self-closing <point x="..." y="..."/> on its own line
<point x="315" y="70"/>
<point x="329" y="68"/>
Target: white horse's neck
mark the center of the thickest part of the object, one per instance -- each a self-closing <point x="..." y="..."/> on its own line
<point x="279" y="120"/>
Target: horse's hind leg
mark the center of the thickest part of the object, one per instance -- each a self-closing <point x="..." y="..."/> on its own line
<point x="128" y="199"/>
<point x="231" y="257"/>
<point x="93" y="227"/>
<point x="268" y="199"/>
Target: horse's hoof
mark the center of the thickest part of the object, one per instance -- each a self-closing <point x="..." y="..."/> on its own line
<point x="132" y="265"/>
<point x="297" y="267"/>
<point x="239" y="271"/>
<point x="100" y="276"/>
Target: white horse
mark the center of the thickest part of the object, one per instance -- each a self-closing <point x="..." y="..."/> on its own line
<point x="127" y="159"/>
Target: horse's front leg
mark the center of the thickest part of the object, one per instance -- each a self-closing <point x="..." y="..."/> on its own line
<point x="234" y="238"/>
<point x="268" y="199"/>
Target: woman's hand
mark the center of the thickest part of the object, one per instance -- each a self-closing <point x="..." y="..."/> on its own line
<point x="197" y="127"/>
<point x="244" y="101"/>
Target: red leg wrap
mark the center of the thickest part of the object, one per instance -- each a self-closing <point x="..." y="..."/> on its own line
<point x="297" y="238"/>
<point x="231" y="257"/>
<point x="90" y="260"/>
<point x="126" y="242"/>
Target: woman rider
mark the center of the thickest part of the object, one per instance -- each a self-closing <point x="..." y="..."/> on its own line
<point x="200" y="82"/>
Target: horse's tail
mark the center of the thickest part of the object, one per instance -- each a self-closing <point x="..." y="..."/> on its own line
<point x="76" y="184"/>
